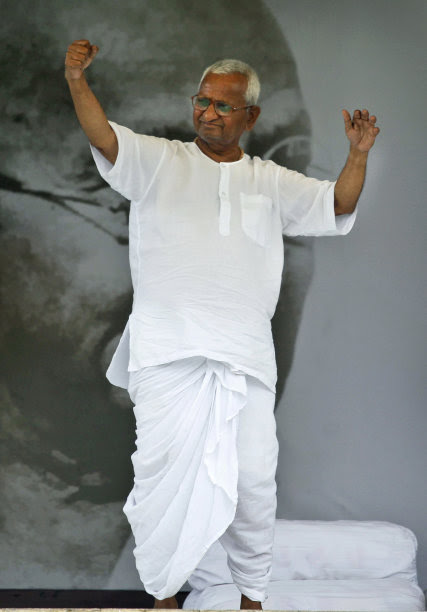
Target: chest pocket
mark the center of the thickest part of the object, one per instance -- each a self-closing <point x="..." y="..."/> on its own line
<point x="256" y="216"/>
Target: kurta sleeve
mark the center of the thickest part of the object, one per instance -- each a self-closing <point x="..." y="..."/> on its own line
<point x="137" y="162"/>
<point x="307" y="206"/>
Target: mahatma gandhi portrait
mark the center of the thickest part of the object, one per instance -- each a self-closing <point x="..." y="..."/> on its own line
<point x="67" y="435"/>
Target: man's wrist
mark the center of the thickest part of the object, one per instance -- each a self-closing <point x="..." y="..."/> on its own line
<point x="357" y="157"/>
<point x="79" y="80"/>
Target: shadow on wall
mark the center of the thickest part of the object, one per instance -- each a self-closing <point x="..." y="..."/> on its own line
<point x="65" y="281"/>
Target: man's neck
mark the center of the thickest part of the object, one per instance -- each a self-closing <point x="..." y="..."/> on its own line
<point x="219" y="154"/>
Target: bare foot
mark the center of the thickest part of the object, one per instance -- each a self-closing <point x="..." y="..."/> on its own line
<point x="169" y="602"/>
<point x="248" y="604"/>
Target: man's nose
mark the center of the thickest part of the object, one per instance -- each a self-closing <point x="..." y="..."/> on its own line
<point x="210" y="113"/>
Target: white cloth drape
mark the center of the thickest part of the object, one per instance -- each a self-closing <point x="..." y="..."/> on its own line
<point x="183" y="499"/>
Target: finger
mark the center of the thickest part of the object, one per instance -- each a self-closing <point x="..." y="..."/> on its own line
<point x="76" y="54"/>
<point x="93" y="51"/>
<point x="84" y="42"/>
<point x="347" y="118"/>
<point x="372" y="119"/>
<point x="75" y="58"/>
<point x="73" y="63"/>
<point x="356" y="114"/>
<point x="75" y="49"/>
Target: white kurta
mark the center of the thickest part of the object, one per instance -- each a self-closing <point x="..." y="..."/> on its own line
<point x="206" y="251"/>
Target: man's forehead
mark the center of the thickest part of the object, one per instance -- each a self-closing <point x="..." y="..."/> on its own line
<point x="232" y="84"/>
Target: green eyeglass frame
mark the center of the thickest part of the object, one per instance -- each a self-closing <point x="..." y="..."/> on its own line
<point x="221" y="108"/>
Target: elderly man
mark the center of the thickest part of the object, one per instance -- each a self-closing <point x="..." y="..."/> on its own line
<point x="197" y="357"/>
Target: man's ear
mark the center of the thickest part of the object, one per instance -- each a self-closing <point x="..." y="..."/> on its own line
<point x="253" y="114"/>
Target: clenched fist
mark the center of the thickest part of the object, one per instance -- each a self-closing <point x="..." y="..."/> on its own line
<point x="79" y="56"/>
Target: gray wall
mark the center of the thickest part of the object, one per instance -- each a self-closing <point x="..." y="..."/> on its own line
<point x="351" y="421"/>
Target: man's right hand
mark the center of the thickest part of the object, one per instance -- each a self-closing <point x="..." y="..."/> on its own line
<point x="89" y="111"/>
<point x="79" y="56"/>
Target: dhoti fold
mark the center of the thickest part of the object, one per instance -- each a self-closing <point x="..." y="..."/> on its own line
<point x="186" y="469"/>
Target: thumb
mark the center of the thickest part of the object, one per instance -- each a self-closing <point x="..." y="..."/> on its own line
<point x="93" y="51"/>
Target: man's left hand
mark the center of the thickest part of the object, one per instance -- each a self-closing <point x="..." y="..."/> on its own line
<point x="361" y="130"/>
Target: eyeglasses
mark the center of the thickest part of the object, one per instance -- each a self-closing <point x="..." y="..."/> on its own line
<point x="221" y="108"/>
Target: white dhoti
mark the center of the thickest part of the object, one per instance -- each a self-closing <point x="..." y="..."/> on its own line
<point x="205" y="469"/>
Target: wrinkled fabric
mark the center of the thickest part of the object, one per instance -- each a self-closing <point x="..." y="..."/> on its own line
<point x="186" y="468"/>
<point x="205" y="469"/>
<point x="381" y="595"/>
<point x="206" y="251"/>
<point x="248" y="541"/>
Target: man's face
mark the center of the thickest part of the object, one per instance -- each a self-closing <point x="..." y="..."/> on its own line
<point x="219" y="129"/>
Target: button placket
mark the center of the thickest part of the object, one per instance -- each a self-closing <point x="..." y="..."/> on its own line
<point x="224" y="199"/>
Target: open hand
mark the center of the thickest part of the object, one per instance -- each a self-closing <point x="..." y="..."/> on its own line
<point x="361" y="130"/>
<point x="79" y="56"/>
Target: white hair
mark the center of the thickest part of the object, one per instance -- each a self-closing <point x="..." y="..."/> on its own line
<point x="228" y="66"/>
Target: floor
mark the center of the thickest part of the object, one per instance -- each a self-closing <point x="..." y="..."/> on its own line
<point x="55" y="598"/>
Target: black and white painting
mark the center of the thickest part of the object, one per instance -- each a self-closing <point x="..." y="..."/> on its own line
<point x="66" y="434"/>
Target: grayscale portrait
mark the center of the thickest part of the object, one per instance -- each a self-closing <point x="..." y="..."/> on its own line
<point x="67" y="434"/>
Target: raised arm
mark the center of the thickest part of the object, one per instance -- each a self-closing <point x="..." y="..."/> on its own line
<point x="361" y="132"/>
<point x="89" y="111"/>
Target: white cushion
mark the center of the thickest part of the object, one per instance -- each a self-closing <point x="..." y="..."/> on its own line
<point x="388" y="595"/>
<point x="325" y="550"/>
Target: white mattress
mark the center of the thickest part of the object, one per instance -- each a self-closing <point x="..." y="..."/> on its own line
<point x="323" y="565"/>
<point x="392" y="594"/>
<point x="325" y="550"/>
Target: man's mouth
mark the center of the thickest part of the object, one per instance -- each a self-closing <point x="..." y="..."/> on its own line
<point x="210" y="124"/>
